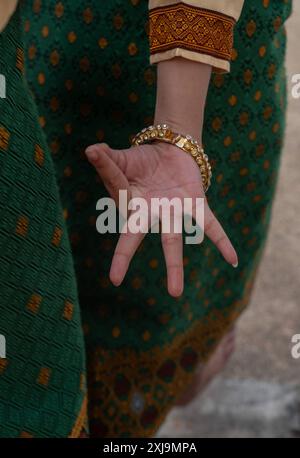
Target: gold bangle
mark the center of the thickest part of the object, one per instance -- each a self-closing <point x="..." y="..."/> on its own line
<point x="185" y="142"/>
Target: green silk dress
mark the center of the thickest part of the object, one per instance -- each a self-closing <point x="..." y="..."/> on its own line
<point x="87" y="66"/>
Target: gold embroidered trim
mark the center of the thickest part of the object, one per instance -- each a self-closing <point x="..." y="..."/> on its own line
<point x="191" y="28"/>
<point x="81" y="419"/>
<point x="203" y="337"/>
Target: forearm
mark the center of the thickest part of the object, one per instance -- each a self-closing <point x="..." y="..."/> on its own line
<point x="182" y="87"/>
<point x="183" y="81"/>
<point x="7" y="8"/>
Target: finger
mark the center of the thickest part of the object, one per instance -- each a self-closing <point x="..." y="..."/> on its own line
<point x="126" y="247"/>
<point x="217" y="235"/>
<point x="194" y="220"/>
<point x="107" y="163"/>
<point x="118" y="156"/>
<point x="173" y="251"/>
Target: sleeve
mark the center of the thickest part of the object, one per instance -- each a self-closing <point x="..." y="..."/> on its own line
<point x="7" y="8"/>
<point x="200" y="30"/>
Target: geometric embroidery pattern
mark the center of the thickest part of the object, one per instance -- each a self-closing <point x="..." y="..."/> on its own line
<point x="191" y="28"/>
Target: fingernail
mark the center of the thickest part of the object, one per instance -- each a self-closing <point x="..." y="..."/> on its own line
<point x="115" y="281"/>
<point x="235" y="265"/>
<point x="115" y="277"/>
<point x="91" y="154"/>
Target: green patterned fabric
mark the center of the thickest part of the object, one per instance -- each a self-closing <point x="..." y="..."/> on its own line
<point x="87" y="64"/>
<point x="42" y="379"/>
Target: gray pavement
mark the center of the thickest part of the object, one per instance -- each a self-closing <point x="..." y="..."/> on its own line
<point x="235" y="408"/>
<point x="258" y="395"/>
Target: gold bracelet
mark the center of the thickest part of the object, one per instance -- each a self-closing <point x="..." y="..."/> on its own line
<point x="186" y="143"/>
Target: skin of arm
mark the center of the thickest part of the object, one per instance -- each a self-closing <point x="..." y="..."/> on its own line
<point x="182" y="87"/>
<point x="7" y="7"/>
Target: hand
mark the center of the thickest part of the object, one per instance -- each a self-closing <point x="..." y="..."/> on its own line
<point x="150" y="171"/>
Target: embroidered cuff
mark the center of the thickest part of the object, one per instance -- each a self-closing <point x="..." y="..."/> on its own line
<point x="196" y="33"/>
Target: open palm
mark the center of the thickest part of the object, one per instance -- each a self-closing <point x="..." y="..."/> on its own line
<point x="160" y="171"/>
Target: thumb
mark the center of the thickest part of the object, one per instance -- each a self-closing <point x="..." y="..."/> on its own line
<point x="110" y="166"/>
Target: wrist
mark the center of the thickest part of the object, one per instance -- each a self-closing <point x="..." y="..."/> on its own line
<point x="163" y="133"/>
<point x="181" y="126"/>
<point x="181" y="94"/>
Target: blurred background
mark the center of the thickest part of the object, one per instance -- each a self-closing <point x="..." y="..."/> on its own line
<point x="258" y="395"/>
